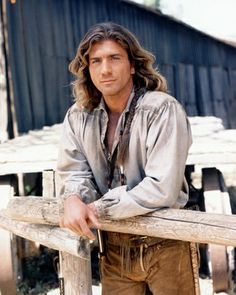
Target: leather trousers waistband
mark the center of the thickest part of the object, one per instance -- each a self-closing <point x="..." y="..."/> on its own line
<point x="118" y="239"/>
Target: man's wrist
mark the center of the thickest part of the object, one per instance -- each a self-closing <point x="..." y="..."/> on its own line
<point x="71" y="196"/>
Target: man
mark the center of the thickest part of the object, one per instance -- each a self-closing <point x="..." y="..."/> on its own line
<point x="123" y="153"/>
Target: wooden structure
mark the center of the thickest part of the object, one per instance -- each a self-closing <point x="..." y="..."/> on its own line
<point x="28" y="217"/>
<point x="3" y="92"/>
<point x="186" y="225"/>
<point x="216" y="200"/>
<point x="37" y="151"/>
<point x="75" y="274"/>
<point x="7" y="269"/>
<point x="199" y="68"/>
<point x="37" y="218"/>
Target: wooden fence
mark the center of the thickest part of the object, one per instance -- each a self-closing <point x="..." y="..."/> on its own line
<point x="37" y="219"/>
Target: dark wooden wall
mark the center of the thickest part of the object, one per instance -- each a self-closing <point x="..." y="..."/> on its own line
<point x="43" y="37"/>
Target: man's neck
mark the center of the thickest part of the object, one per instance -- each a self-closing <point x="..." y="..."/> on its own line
<point x="117" y="103"/>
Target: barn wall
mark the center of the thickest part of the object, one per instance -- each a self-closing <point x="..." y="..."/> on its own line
<point x="44" y="35"/>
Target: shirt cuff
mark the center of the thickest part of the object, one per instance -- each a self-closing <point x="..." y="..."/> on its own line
<point x="68" y="194"/>
<point x="100" y="209"/>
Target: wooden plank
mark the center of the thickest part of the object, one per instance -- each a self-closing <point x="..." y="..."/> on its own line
<point x="48" y="183"/>
<point x="191" y="104"/>
<point x="211" y="159"/>
<point x="176" y="224"/>
<point x="186" y="88"/>
<point x="50" y="236"/>
<point x="217" y="201"/>
<point x="18" y="57"/>
<point x="168" y="71"/>
<point x="35" y="79"/>
<point x="75" y="272"/>
<point x="26" y="167"/>
<point x="7" y="275"/>
<point x="232" y="101"/>
<point x="12" y="112"/>
<point x="204" y="97"/>
<point x="3" y="90"/>
<point x="219" y="94"/>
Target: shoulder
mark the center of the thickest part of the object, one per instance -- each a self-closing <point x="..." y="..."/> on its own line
<point x="75" y="115"/>
<point x="157" y="100"/>
<point x="76" y="111"/>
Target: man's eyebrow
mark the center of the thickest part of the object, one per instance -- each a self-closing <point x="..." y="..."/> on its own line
<point x="94" y="57"/>
<point x="115" y="54"/>
<point x="109" y="55"/>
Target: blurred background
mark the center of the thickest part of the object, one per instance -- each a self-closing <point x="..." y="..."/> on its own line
<point x="194" y="42"/>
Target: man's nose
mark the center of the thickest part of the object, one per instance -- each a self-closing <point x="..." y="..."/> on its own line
<point x="106" y="67"/>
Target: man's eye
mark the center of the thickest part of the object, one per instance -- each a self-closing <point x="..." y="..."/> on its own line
<point x="94" y="61"/>
<point x="115" y="57"/>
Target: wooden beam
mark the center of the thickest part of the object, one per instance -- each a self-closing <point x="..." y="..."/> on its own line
<point x="3" y="89"/>
<point x="216" y="201"/>
<point x="48" y="235"/>
<point x="75" y="274"/>
<point x="175" y="224"/>
<point x="8" y="260"/>
<point x="26" y="166"/>
<point x="8" y="69"/>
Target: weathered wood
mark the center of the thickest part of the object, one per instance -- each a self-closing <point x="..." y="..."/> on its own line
<point x="26" y="167"/>
<point x="35" y="209"/>
<point x="75" y="274"/>
<point x="48" y="183"/>
<point x="38" y="150"/>
<point x="9" y="70"/>
<point x="176" y="224"/>
<point x="48" y="235"/>
<point x="7" y="274"/>
<point x="3" y="90"/>
<point x="216" y="201"/>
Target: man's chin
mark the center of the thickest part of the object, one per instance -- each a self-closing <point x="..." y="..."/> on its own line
<point x="109" y="92"/>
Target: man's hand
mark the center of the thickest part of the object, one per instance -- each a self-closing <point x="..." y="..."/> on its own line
<point x="79" y="217"/>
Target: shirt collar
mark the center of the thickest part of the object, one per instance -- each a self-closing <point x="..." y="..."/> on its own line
<point x="102" y="105"/>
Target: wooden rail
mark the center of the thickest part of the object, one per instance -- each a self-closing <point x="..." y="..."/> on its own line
<point x="176" y="224"/>
<point x="48" y="235"/>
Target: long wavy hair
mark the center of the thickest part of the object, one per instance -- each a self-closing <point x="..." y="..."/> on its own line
<point x="86" y="94"/>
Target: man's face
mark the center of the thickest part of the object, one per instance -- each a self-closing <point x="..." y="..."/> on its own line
<point x="110" y="69"/>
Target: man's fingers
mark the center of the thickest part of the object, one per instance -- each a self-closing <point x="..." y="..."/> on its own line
<point x="71" y="225"/>
<point x="93" y="220"/>
<point x="86" y="230"/>
<point x="76" y="229"/>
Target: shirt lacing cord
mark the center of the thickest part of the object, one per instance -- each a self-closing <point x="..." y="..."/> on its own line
<point x="141" y="256"/>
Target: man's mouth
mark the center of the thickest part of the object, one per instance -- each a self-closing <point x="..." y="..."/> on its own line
<point x="107" y="81"/>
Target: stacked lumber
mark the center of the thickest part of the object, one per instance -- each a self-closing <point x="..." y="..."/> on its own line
<point x="213" y="146"/>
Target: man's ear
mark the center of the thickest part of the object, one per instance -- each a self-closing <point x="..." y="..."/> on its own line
<point x="132" y="70"/>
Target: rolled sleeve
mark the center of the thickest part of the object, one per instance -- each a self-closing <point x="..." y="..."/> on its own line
<point x="74" y="171"/>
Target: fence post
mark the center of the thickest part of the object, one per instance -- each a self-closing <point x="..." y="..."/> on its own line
<point x="217" y="201"/>
<point x="75" y="273"/>
<point x="7" y="268"/>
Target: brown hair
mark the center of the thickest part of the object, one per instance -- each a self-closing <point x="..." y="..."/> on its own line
<point x="85" y="92"/>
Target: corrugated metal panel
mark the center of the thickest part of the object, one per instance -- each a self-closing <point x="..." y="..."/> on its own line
<point x="44" y="35"/>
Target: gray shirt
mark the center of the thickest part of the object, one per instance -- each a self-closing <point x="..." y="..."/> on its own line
<point x="154" y="165"/>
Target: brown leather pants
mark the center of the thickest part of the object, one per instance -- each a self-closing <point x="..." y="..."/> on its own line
<point x="135" y="265"/>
